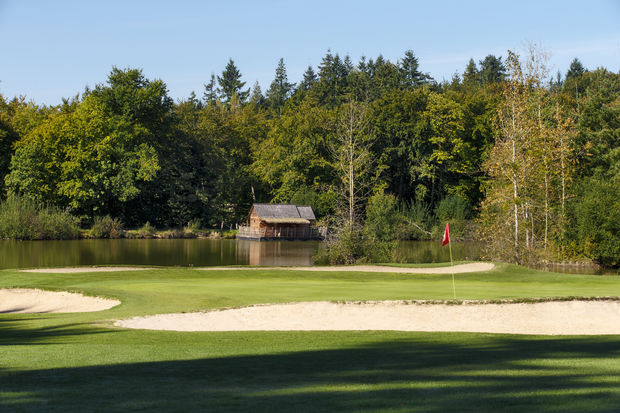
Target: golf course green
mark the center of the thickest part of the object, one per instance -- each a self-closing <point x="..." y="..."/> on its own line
<point x="82" y="362"/>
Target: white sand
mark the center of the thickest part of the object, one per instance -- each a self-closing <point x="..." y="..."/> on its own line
<point x="546" y="318"/>
<point x="67" y="270"/>
<point x="458" y="269"/>
<point x="21" y="300"/>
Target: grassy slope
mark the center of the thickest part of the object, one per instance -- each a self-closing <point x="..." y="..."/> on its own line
<point x="76" y="361"/>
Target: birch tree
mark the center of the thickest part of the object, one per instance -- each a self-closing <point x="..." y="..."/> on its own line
<point x="563" y="134"/>
<point x="508" y="166"/>
<point x="527" y="188"/>
<point x="353" y="160"/>
<point x="550" y="144"/>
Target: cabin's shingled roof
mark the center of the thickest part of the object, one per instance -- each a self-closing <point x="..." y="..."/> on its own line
<point x="283" y="211"/>
<point x="306" y="212"/>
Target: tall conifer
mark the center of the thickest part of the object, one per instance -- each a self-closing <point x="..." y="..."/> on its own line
<point x="280" y="89"/>
<point x="230" y="83"/>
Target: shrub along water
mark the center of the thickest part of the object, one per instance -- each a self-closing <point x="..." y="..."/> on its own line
<point x="24" y="219"/>
<point x="147" y="231"/>
<point x="107" y="227"/>
<point x="374" y="241"/>
<point x="455" y="210"/>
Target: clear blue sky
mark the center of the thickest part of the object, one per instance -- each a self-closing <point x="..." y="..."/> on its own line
<point x="53" y="49"/>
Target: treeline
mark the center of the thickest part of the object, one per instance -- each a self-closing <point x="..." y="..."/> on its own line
<point x="126" y="149"/>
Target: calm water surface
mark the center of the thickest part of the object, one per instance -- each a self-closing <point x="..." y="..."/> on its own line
<point x="197" y="252"/>
<point x="207" y="252"/>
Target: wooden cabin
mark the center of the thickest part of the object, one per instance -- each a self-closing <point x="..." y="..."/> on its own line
<point x="278" y="222"/>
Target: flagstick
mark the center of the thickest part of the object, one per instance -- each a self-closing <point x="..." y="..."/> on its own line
<point x="452" y="265"/>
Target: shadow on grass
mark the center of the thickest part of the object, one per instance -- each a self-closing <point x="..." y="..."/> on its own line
<point x="14" y="333"/>
<point x="435" y="373"/>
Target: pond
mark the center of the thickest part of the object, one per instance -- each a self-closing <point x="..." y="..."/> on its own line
<point x="208" y="252"/>
<point x="198" y="252"/>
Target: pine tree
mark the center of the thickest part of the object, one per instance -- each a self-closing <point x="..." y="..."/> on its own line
<point x="411" y="76"/>
<point x="362" y="66"/>
<point x="193" y="100"/>
<point x="341" y="69"/>
<point x="387" y="77"/>
<point x="310" y="78"/>
<point x="471" y="75"/>
<point x="211" y="92"/>
<point x="573" y="82"/>
<point x="492" y="69"/>
<point x="231" y="84"/>
<point x="332" y="83"/>
<point x="280" y="89"/>
<point x="555" y="85"/>
<point x="576" y="69"/>
<point x="257" y="95"/>
<point x="348" y="64"/>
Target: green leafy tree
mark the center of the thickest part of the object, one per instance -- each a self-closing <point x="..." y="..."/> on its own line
<point x="451" y="155"/>
<point x="84" y="159"/>
<point x="381" y="227"/>
<point x="144" y="105"/>
<point x="24" y="116"/>
<point x="456" y="211"/>
<point x="134" y="98"/>
<point x="295" y="152"/>
<point x="596" y="216"/>
<point x="197" y="165"/>
<point x="227" y="136"/>
<point x="402" y="142"/>
<point x="479" y="107"/>
<point x="100" y="156"/>
<point x="8" y="137"/>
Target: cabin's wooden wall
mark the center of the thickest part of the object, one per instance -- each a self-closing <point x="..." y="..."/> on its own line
<point x="296" y="231"/>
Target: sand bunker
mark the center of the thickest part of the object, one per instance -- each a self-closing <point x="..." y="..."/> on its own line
<point x="67" y="270"/>
<point x="458" y="269"/>
<point x="546" y="318"/>
<point x="21" y="300"/>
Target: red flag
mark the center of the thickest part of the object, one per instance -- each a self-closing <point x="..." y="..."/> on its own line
<point x="446" y="236"/>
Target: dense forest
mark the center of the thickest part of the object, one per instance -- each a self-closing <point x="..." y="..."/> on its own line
<point x="507" y="151"/>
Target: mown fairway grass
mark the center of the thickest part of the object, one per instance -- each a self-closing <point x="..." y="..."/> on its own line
<point x="79" y="362"/>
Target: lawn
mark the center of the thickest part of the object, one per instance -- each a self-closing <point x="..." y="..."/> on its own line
<point x="64" y="362"/>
